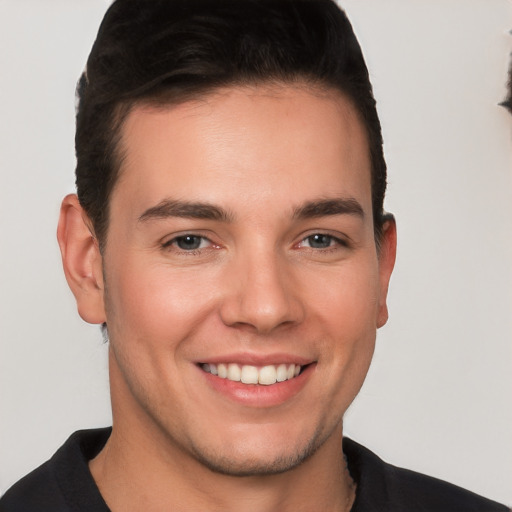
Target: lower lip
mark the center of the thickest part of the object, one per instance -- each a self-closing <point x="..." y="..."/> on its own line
<point x="257" y="395"/>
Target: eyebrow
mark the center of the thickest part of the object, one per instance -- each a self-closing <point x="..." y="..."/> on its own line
<point x="185" y="209"/>
<point x="206" y="211"/>
<point x="327" y="207"/>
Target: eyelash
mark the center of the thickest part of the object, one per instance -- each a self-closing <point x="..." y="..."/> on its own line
<point x="334" y="243"/>
<point x="176" y="240"/>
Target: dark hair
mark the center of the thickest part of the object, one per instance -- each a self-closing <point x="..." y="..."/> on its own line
<point x="168" y="51"/>
<point x="507" y="103"/>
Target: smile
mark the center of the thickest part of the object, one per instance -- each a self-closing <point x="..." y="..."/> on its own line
<point x="248" y="374"/>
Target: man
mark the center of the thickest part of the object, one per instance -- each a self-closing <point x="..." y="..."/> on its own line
<point x="229" y="235"/>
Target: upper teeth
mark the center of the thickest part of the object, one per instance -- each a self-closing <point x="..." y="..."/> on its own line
<point x="248" y="374"/>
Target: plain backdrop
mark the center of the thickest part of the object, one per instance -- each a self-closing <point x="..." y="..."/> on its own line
<point x="438" y="398"/>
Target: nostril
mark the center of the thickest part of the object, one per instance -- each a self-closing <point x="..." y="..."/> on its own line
<point x="260" y="295"/>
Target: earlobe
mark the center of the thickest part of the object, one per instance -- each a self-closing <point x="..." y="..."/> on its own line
<point x="387" y="256"/>
<point x="81" y="259"/>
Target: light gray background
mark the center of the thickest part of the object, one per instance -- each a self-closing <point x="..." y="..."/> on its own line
<point x="438" y="396"/>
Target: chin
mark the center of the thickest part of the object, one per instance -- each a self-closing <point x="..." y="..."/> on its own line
<point x="240" y="461"/>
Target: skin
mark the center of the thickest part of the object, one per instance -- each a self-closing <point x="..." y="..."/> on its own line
<point x="257" y="288"/>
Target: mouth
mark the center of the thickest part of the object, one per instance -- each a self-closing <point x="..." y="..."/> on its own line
<point x="247" y="374"/>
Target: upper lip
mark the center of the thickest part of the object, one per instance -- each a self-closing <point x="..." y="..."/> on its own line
<point x="258" y="359"/>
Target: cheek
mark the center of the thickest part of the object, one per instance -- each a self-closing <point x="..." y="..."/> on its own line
<point x="151" y="314"/>
<point x="348" y="297"/>
<point x="346" y="313"/>
<point x="156" y="302"/>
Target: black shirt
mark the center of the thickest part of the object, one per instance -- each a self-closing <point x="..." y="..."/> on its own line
<point x="65" y="484"/>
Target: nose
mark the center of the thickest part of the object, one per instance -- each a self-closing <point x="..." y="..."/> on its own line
<point x="262" y="294"/>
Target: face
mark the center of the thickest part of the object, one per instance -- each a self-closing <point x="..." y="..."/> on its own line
<point x="242" y="287"/>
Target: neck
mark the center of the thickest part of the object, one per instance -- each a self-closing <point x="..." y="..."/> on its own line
<point x="142" y="468"/>
<point x="138" y="474"/>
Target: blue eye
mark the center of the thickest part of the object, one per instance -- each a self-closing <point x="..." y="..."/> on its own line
<point x="320" y="241"/>
<point x="188" y="242"/>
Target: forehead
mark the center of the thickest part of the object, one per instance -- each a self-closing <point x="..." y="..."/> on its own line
<point x="250" y="141"/>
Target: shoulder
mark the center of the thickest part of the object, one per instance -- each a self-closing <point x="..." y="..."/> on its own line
<point x="383" y="487"/>
<point x="61" y="481"/>
<point x="36" y="491"/>
<point x="427" y="493"/>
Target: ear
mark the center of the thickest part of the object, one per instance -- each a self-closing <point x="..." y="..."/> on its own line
<point x="387" y="256"/>
<point x="81" y="259"/>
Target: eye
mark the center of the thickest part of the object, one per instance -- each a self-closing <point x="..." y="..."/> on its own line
<point x="188" y="242"/>
<point x="320" y="241"/>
